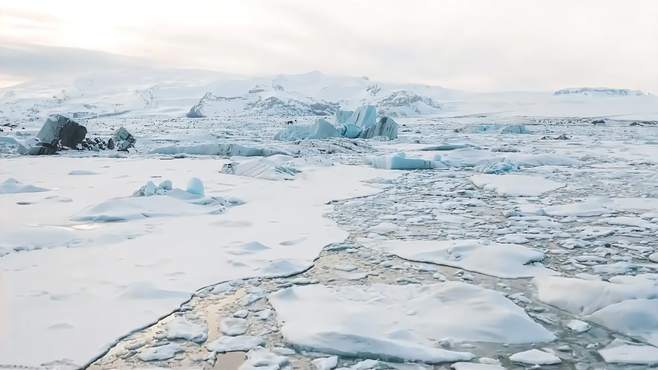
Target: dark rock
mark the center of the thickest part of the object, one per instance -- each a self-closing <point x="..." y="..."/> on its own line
<point x="110" y="143"/>
<point x="59" y="131"/>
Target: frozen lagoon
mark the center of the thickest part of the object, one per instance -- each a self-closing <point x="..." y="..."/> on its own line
<point x="136" y="272"/>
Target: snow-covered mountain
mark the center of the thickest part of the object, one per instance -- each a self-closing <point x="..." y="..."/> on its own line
<point x="315" y="94"/>
<point x="599" y="91"/>
<point x="132" y="89"/>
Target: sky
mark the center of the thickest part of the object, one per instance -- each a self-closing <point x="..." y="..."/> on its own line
<point x="477" y="45"/>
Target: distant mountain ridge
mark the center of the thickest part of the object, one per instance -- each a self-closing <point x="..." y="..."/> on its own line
<point x="599" y="91"/>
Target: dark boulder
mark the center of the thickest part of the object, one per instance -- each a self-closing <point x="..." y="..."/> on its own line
<point x="59" y="131"/>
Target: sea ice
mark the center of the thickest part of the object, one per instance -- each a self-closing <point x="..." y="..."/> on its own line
<point x="160" y="353"/>
<point x="475" y="366"/>
<point x="580" y="296"/>
<point x="237" y="343"/>
<point x="262" y="359"/>
<point x="276" y="167"/>
<point x="535" y="357"/>
<point x="634" y="317"/>
<point x="578" y="326"/>
<point x="223" y="149"/>
<point x="516" y="185"/>
<point x="501" y="260"/>
<point x="181" y="328"/>
<point x="619" y="352"/>
<point x="325" y="363"/>
<point x="233" y="326"/>
<point x="321" y="129"/>
<point x="375" y="321"/>
<point x="399" y="161"/>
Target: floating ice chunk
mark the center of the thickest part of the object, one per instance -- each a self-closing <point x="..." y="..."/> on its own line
<point x="467" y="158"/>
<point x="325" y="363"/>
<point x="535" y="357"/>
<point x="385" y="127"/>
<point x="654" y="257"/>
<point x="350" y="131"/>
<point x="501" y="260"/>
<point x="578" y="326"/>
<point x="223" y="149"/>
<point x="12" y="186"/>
<point x="514" y="129"/>
<point x="9" y="145"/>
<point x="149" y="189"/>
<point x="237" y="343"/>
<point x="633" y="204"/>
<point x="587" y="208"/>
<point x="580" y="296"/>
<point x="180" y="328"/>
<point x="516" y="185"/>
<point x="195" y="186"/>
<point x="342" y="116"/>
<point x="399" y="161"/>
<point x="619" y="352"/>
<point x="364" y="117"/>
<point x="160" y="353"/>
<point x="321" y="129"/>
<point x="384" y="228"/>
<point x="475" y="366"/>
<point x="233" y="326"/>
<point x="496" y="128"/>
<point x="537" y="160"/>
<point x="633" y="317"/>
<point x="276" y="167"/>
<point x="374" y="321"/>
<point x="630" y="221"/>
<point x="447" y="147"/>
<point x="498" y="167"/>
<point x="262" y="359"/>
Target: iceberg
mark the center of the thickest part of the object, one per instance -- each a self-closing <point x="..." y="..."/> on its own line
<point x="321" y="129"/>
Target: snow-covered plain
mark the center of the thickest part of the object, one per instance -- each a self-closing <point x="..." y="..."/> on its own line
<point x="497" y="231"/>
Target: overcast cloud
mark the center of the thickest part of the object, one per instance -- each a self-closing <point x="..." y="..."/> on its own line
<point x="466" y="44"/>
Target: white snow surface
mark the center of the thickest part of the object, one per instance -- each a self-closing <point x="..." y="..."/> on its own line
<point x="495" y="259"/>
<point x="137" y="270"/>
<point x="12" y="186"/>
<point x="400" y="323"/>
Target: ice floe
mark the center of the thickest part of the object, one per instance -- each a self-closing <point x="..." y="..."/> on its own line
<point x="276" y="167"/>
<point x="222" y="149"/>
<point x="516" y="185"/>
<point x="619" y="352"/>
<point x="234" y="343"/>
<point x="181" y="328"/>
<point x="400" y="161"/>
<point x="358" y="320"/>
<point x="535" y="357"/>
<point x="501" y="260"/>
